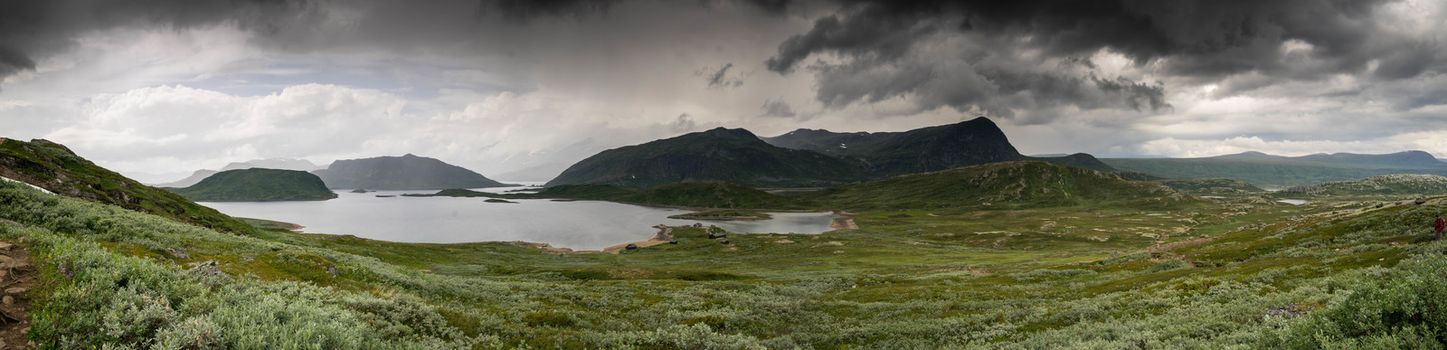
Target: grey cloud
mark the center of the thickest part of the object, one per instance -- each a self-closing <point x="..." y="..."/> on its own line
<point x="777" y="109"/>
<point x="882" y="41"/>
<point x="720" y="78"/>
<point x="683" y="123"/>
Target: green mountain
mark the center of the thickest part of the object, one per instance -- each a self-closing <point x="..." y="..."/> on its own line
<point x="1381" y="185"/>
<point x="57" y="169"/>
<point x="722" y="155"/>
<point x="978" y="141"/>
<point x="1279" y="171"/>
<point x="270" y="163"/>
<point x="1027" y="184"/>
<point x="408" y="172"/>
<point x="258" y="185"/>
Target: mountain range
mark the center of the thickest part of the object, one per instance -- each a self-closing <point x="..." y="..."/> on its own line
<point x="804" y="157"/>
<point x="408" y="172"/>
<point x="728" y="155"/>
<point x="1273" y="171"/>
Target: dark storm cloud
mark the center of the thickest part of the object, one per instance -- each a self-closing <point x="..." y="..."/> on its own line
<point x="720" y="77"/>
<point x="1012" y="43"/>
<point x="30" y="30"/>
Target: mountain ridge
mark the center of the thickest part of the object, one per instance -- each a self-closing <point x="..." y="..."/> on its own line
<point x="406" y="172"/>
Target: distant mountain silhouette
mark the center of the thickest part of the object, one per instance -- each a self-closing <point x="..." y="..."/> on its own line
<point x="1268" y="170"/>
<point x="973" y="142"/>
<point x="408" y="172"/>
<point x="727" y="155"/>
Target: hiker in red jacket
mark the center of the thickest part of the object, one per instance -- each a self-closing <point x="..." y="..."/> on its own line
<point x="1439" y="225"/>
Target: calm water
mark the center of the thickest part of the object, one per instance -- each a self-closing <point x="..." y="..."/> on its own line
<point x="577" y="225"/>
<point x="1292" y="201"/>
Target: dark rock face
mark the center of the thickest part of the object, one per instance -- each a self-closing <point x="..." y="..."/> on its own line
<point x="408" y="172"/>
<point x="722" y="155"/>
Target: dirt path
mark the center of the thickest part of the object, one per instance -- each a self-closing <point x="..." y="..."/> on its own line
<point x="17" y="277"/>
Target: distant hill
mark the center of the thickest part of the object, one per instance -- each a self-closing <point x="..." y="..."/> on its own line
<point x="258" y="185"/>
<point x="1026" y="184"/>
<point x="408" y="172"/>
<point x="718" y="155"/>
<point x="1381" y="185"/>
<point x="57" y="169"/>
<point x="1273" y="171"/>
<point x="270" y="163"/>
<point x="977" y="141"/>
<point x="685" y="194"/>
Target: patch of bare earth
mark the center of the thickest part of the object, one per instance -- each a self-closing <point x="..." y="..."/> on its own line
<point x="17" y="277"/>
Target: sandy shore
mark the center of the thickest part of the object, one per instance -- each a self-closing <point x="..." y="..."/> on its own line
<point x="843" y="221"/>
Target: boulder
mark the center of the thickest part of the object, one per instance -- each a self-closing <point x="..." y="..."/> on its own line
<point x="631" y="246"/>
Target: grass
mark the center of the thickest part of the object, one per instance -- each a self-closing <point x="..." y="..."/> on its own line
<point x="1235" y="273"/>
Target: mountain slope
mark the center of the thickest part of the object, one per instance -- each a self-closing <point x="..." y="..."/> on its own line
<point x="408" y="172"/>
<point x="727" y="155"/>
<point x="1381" y="185"/>
<point x="258" y="185"/>
<point x="1278" y="171"/>
<point x="55" y="168"/>
<point x="973" y="142"/>
<point x="1003" y="185"/>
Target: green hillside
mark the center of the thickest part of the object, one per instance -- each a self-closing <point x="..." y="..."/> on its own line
<point x="1003" y="185"/>
<point x="408" y="172"/>
<point x="57" y="169"/>
<point x="258" y="185"/>
<point x="1382" y="185"/>
<point x="718" y="155"/>
<point x="1338" y="275"/>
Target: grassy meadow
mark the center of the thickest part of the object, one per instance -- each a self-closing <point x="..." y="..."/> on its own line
<point x="1238" y="272"/>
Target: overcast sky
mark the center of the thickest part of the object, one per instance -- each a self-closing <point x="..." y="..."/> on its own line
<point x="159" y="88"/>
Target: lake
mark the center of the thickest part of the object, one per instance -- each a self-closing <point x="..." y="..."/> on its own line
<point x="576" y="225"/>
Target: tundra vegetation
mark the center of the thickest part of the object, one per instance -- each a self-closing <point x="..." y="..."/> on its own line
<point x="1232" y="272"/>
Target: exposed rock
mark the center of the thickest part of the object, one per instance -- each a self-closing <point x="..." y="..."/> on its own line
<point x="207" y="268"/>
<point x="332" y="270"/>
<point x="723" y="241"/>
<point x="631" y="246"/>
<point x="7" y="300"/>
<point x="178" y="253"/>
<point x="16" y="291"/>
<point x="6" y="246"/>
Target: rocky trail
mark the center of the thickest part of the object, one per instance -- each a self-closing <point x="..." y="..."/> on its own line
<point x="17" y="277"/>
